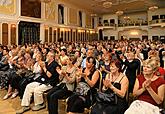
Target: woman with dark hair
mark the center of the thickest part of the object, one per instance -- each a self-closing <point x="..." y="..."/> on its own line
<point x="63" y="56"/>
<point x="64" y="89"/>
<point x="90" y="76"/>
<point x="115" y="82"/>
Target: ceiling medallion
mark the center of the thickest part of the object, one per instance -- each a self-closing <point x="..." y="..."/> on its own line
<point x="107" y="4"/>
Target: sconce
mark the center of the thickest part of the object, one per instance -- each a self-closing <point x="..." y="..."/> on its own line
<point x="13" y="26"/>
<point x="46" y="27"/>
<point x="134" y="33"/>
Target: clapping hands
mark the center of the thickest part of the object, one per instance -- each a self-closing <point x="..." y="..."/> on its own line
<point x="147" y="84"/>
<point x="107" y="83"/>
<point x="42" y="64"/>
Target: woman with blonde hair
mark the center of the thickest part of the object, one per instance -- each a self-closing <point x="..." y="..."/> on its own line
<point x="149" y="90"/>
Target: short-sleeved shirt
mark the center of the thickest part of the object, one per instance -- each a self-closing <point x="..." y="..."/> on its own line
<point x="54" y="79"/>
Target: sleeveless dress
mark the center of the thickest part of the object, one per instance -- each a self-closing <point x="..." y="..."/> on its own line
<point x="145" y="104"/>
<point x="119" y="108"/>
<point x="76" y="103"/>
<point x="145" y="96"/>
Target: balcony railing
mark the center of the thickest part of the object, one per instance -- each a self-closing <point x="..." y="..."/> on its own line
<point x="157" y="21"/>
<point x="145" y="23"/>
<point x="133" y="24"/>
<point x="107" y="24"/>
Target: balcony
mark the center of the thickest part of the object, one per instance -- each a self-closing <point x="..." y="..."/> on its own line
<point x="106" y="25"/>
<point x="132" y="23"/>
<point x="124" y="24"/>
<point x="157" y="22"/>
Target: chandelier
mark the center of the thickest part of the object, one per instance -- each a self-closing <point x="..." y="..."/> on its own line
<point x="119" y="13"/>
<point x="107" y="4"/>
<point x="126" y="18"/>
<point x="93" y="15"/>
<point x="45" y="1"/>
<point x="153" y="8"/>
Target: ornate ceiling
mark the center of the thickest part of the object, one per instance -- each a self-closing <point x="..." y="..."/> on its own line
<point x="128" y="6"/>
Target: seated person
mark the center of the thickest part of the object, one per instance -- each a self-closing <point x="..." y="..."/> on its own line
<point x="90" y="76"/>
<point x="115" y="82"/>
<point x="64" y="89"/>
<point x="4" y="68"/>
<point x="17" y="67"/>
<point x="48" y="79"/>
<point x="149" y="90"/>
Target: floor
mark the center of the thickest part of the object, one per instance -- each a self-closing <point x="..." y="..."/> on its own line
<point x="10" y="106"/>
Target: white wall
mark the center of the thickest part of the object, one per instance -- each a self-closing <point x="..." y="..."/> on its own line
<point x="110" y="33"/>
<point x="68" y="5"/>
<point x="156" y="31"/>
<point x="156" y="12"/>
<point x="110" y="16"/>
<point x="135" y="16"/>
<point x="129" y="33"/>
<point x="142" y="30"/>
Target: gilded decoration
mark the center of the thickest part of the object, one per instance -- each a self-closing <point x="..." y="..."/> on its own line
<point x="7" y="7"/>
<point x="50" y="11"/>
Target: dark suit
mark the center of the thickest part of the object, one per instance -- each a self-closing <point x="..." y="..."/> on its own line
<point x="132" y="70"/>
<point x="161" y="57"/>
<point x="1" y="55"/>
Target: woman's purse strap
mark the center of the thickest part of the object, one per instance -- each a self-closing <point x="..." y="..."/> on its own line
<point x="101" y="78"/>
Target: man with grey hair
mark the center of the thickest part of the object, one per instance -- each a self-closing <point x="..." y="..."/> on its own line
<point x="90" y="53"/>
<point x="49" y="78"/>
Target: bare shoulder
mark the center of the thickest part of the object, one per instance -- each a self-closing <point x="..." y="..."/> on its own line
<point x="124" y="78"/>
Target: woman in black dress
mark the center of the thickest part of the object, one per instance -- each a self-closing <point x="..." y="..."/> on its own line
<point x="115" y="82"/>
<point x="64" y="88"/>
<point x="76" y="103"/>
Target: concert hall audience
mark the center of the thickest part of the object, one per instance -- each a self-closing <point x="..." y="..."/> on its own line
<point x="59" y="62"/>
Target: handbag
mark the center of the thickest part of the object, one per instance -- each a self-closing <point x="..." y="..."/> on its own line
<point x="21" y="72"/>
<point x="28" y="78"/>
<point x="82" y="88"/>
<point x="107" y="98"/>
<point x="5" y="67"/>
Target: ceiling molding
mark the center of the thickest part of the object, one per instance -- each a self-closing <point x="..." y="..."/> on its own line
<point x="127" y="6"/>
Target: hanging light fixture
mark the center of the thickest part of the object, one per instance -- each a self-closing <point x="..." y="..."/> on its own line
<point x="153" y="8"/>
<point x="93" y="15"/>
<point x="45" y="1"/>
<point x="119" y="13"/>
<point x="126" y="18"/>
<point x="107" y="4"/>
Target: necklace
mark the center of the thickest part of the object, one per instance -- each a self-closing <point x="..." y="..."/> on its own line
<point x="116" y="77"/>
